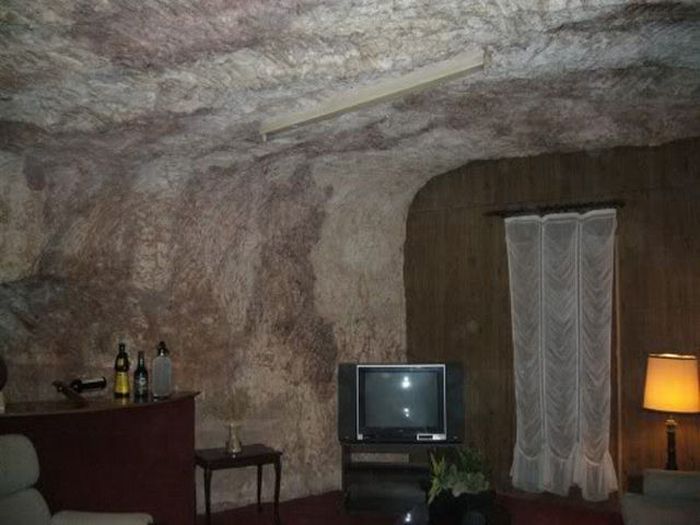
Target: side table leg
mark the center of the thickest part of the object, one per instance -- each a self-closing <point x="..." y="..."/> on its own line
<point x="278" y="475"/>
<point x="207" y="494"/>
<point x="259" y="485"/>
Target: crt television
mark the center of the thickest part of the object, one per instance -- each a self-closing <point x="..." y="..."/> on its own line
<point x="404" y="403"/>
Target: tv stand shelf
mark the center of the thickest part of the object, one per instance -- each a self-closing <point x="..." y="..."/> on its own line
<point x="379" y="466"/>
<point x="389" y="486"/>
<point x="396" y="448"/>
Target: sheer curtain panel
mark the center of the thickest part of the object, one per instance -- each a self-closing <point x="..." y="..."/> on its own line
<point x="561" y="277"/>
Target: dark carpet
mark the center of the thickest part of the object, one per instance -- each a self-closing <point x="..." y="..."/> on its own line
<point x="312" y="510"/>
<point x="326" y="509"/>
<point x="548" y="509"/>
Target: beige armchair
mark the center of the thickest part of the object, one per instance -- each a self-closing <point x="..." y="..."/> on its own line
<point x="671" y="497"/>
<point x="21" y="504"/>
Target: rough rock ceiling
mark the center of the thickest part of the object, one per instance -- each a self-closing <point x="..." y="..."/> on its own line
<point x="138" y="202"/>
<point x="200" y="75"/>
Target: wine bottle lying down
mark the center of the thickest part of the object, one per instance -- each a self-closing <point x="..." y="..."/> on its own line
<point x="87" y="385"/>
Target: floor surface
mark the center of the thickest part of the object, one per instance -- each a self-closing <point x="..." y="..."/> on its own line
<point x="326" y="509"/>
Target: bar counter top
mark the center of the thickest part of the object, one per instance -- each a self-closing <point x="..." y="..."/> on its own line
<point x="95" y="403"/>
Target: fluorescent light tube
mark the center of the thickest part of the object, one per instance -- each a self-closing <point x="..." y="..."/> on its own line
<point x="422" y="78"/>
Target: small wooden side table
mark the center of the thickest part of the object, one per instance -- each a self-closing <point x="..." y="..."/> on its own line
<point x="211" y="459"/>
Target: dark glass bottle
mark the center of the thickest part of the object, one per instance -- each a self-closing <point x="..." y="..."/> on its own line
<point x="121" y="373"/>
<point x="84" y="385"/>
<point x="141" y="379"/>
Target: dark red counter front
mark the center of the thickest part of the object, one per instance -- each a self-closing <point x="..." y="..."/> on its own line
<point x="113" y="456"/>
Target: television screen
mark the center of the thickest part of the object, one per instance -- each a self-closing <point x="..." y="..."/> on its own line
<point x="401" y="402"/>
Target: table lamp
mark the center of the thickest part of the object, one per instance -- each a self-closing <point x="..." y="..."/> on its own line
<point x="672" y="387"/>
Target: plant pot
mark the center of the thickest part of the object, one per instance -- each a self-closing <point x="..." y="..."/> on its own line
<point x="448" y="510"/>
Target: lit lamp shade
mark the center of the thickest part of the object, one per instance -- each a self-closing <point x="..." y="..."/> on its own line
<point x="672" y="384"/>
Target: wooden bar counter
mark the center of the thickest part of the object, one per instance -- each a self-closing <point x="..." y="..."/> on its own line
<point x="113" y="455"/>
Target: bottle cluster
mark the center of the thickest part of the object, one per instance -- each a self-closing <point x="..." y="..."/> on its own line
<point x="159" y="385"/>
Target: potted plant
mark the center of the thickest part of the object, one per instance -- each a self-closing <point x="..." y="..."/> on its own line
<point x="459" y="484"/>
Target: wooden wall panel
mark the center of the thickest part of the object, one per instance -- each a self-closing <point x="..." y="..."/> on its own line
<point x="427" y="268"/>
<point x="456" y="279"/>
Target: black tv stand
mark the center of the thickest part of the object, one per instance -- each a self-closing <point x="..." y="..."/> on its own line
<point x="375" y="484"/>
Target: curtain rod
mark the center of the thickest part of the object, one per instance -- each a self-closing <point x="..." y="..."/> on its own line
<point x="559" y="208"/>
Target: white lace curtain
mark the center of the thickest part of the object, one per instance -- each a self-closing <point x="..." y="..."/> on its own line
<point x="561" y="277"/>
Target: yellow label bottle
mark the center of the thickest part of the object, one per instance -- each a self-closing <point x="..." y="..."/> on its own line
<point x="121" y="373"/>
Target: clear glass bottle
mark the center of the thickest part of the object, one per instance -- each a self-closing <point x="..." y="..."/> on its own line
<point x="162" y="385"/>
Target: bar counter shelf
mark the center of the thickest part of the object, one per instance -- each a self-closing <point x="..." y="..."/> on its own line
<point x="113" y="455"/>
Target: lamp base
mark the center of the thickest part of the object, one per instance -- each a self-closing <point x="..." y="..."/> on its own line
<point x="671" y="444"/>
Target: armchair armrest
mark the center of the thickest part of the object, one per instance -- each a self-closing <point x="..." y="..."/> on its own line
<point x="70" y="517"/>
<point x="638" y="509"/>
<point x="672" y="483"/>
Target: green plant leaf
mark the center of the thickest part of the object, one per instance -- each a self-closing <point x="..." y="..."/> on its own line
<point x="468" y="473"/>
<point x="438" y="471"/>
